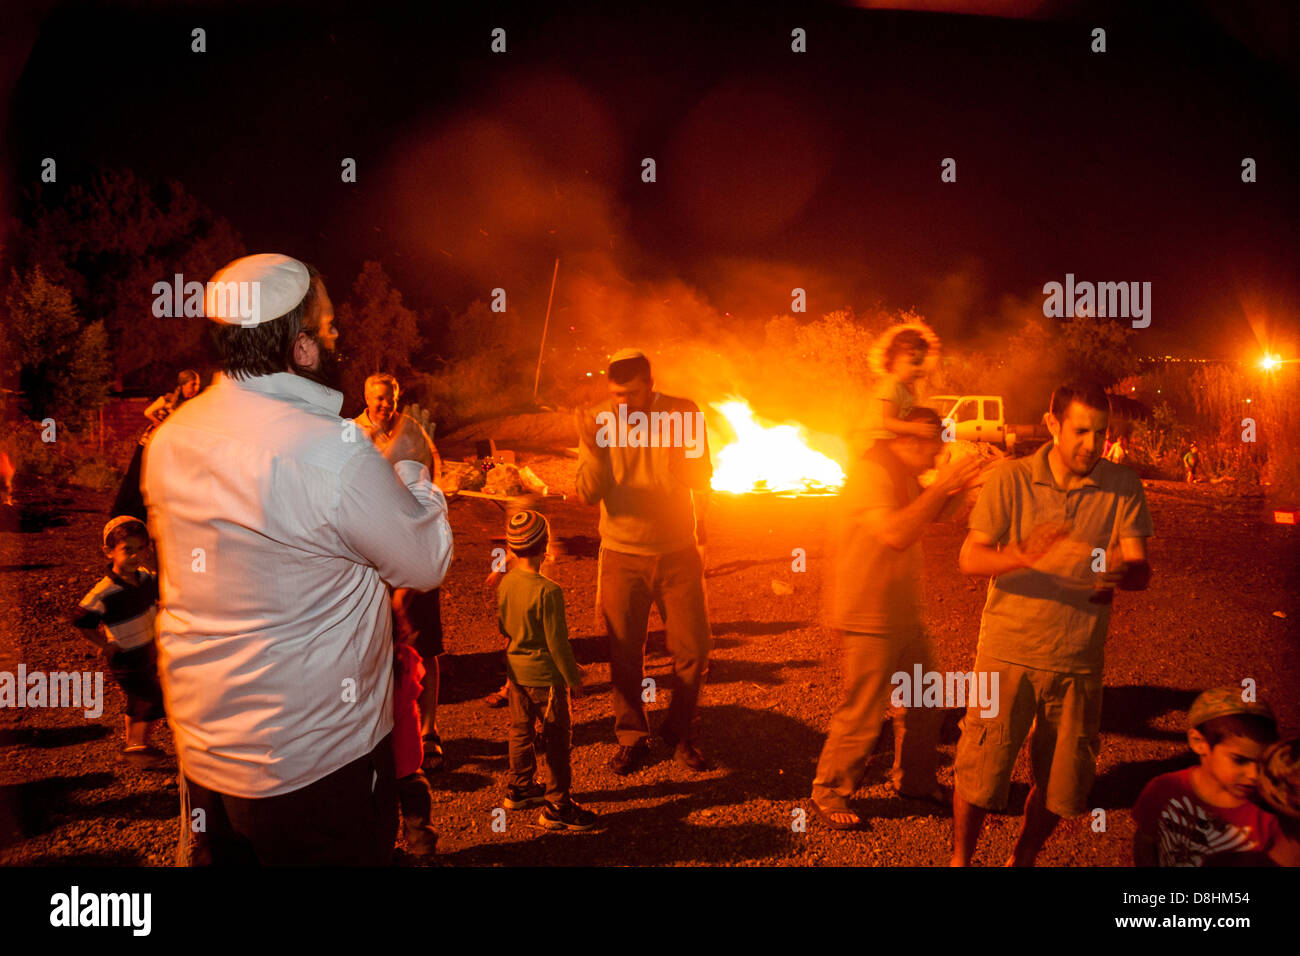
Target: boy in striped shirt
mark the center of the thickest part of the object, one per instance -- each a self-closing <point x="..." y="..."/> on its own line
<point x="117" y="616"/>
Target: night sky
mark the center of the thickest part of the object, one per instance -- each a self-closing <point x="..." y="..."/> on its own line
<point x="775" y="169"/>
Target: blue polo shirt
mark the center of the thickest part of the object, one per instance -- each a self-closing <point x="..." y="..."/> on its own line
<point x="1043" y="618"/>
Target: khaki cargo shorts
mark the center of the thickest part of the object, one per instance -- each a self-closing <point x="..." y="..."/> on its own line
<point x="1064" y="711"/>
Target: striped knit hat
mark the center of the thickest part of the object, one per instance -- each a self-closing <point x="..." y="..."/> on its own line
<point x="526" y="529"/>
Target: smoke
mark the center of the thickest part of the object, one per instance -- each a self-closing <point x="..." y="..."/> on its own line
<point x="492" y="195"/>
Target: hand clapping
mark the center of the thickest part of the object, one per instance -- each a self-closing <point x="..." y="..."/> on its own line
<point x="409" y="441"/>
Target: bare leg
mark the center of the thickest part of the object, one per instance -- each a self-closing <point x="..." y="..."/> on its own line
<point x="967" y="822"/>
<point x="135" y="732"/>
<point x="429" y="698"/>
<point x="1038" y="826"/>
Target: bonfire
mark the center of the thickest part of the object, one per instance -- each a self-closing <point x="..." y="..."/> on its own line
<point x="766" y="458"/>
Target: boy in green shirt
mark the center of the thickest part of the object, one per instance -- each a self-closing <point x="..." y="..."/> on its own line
<point x="540" y="669"/>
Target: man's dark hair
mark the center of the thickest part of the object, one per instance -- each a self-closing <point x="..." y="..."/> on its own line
<point x="1085" y="393"/>
<point x="626" y="370"/>
<point x="1254" y="727"/>
<point x="267" y="348"/>
<point x="908" y="340"/>
<point x="127" y="529"/>
<point x="919" y="413"/>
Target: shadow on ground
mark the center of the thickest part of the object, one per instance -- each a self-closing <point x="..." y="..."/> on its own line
<point x="46" y="737"/>
<point x="690" y="825"/>
<point x="28" y="809"/>
<point x="1129" y="710"/>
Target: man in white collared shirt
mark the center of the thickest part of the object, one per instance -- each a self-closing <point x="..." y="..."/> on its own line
<point x="277" y="524"/>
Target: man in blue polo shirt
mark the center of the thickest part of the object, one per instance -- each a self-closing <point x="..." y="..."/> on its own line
<point x="1055" y="533"/>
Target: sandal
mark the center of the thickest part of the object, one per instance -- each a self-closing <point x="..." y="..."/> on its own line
<point x="434" y="759"/>
<point x="144" y="755"/>
<point x="496" y="699"/>
<point x="936" y="795"/>
<point x="828" y="817"/>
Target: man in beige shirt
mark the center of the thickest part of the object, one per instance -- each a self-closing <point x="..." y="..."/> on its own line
<point x="644" y="457"/>
<point x="1055" y="533"/>
<point x="417" y="615"/>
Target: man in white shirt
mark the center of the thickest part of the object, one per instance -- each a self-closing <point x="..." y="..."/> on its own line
<point x="276" y="524"/>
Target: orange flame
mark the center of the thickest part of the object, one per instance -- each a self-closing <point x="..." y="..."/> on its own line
<point x="771" y="458"/>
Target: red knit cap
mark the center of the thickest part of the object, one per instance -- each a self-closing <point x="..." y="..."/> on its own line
<point x="525" y="529"/>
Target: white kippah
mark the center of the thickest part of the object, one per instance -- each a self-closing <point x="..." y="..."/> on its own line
<point x="622" y="355"/>
<point x="256" y="289"/>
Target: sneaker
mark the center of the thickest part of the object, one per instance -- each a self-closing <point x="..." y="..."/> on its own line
<point x="521" y="798"/>
<point x="566" y="816"/>
<point x="688" y="756"/>
<point x="628" y="760"/>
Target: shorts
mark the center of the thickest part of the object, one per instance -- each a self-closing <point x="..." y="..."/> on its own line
<point x="1064" y="711"/>
<point x="136" y="672"/>
<point x="420" y="618"/>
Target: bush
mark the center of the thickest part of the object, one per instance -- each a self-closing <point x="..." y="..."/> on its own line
<point x="73" y="456"/>
<point x="470" y="389"/>
<point x="1158" y="442"/>
<point x="97" y="473"/>
<point x="1220" y="394"/>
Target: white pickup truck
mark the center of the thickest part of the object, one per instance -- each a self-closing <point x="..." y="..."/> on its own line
<point x="980" y="418"/>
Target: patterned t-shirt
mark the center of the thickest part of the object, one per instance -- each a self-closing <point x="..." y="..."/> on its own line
<point x="1189" y="832"/>
<point x="125" y="608"/>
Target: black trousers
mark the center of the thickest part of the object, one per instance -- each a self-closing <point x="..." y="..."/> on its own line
<point x="130" y="500"/>
<point x="348" y="818"/>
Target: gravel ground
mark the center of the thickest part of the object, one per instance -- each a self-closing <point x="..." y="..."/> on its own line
<point x="1221" y="571"/>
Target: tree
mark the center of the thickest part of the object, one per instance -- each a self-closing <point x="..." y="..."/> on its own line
<point x="1099" y="348"/>
<point x="61" y="367"/>
<point x="376" y="331"/>
<point x="85" y="388"/>
<point x="108" y="243"/>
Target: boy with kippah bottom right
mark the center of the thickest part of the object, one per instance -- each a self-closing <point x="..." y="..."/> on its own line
<point x="540" y="669"/>
<point x="1204" y="815"/>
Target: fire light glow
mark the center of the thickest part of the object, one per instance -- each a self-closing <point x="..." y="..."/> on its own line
<point x="770" y="458"/>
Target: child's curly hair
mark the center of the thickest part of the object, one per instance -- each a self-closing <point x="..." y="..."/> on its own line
<point x="914" y="336"/>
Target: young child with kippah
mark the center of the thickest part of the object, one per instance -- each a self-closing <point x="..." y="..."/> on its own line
<point x="1204" y="815"/>
<point x="117" y="616"/>
<point x="541" y="670"/>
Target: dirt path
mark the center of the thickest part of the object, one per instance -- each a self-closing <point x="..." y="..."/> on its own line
<point x="1221" y="570"/>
